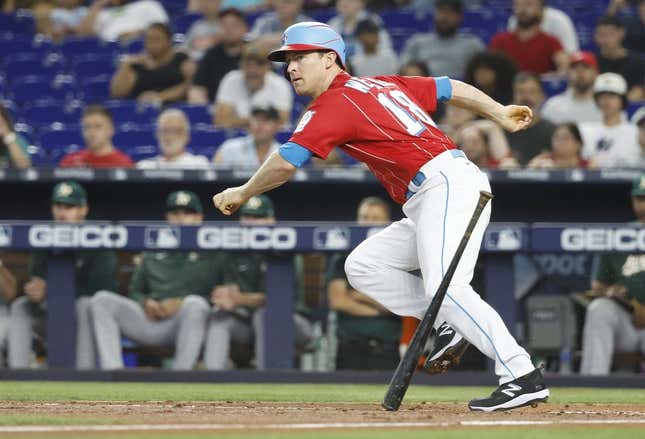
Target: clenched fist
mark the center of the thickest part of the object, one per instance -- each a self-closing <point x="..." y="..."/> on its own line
<point x="229" y="200"/>
<point x="514" y="117"/>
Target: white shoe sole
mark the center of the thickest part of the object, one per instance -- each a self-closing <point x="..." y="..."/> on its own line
<point x="520" y="401"/>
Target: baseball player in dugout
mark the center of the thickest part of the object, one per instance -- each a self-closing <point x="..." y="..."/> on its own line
<point x="168" y="304"/>
<point x="368" y="334"/>
<point x="385" y="122"/>
<point x="615" y="321"/>
<point x="95" y="270"/>
<point x="238" y="315"/>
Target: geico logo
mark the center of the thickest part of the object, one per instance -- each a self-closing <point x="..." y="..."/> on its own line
<point x="254" y="238"/>
<point x="575" y="239"/>
<point x="86" y="236"/>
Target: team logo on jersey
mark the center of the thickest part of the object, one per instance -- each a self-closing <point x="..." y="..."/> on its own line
<point x="334" y="238"/>
<point x="5" y="235"/>
<point x="162" y="237"/>
<point x="504" y="239"/>
<point x="304" y="120"/>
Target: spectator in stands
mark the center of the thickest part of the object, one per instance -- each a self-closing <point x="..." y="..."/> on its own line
<point x="173" y="135"/>
<point x="638" y="119"/>
<point x="14" y="152"/>
<point x="350" y="13"/>
<point x="493" y="73"/>
<point x="168" y="301"/>
<point x="372" y="61"/>
<point x="219" y="59"/>
<point x="613" y="57"/>
<point x="63" y="20"/>
<point x="414" y="68"/>
<point x="528" y="143"/>
<point x="445" y="51"/>
<point x="98" y="130"/>
<point x="368" y="334"/>
<point x="238" y="314"/>
<point x="553" y="22"/>
<point x="252" y="150"/>
<point x="484" y="144"/>
<point x="532" y="49"/>
<point x="253" y="85"/>
<point x="634" y="24"/>
<point x="576" y="104"/>
<point x="113" y="20"/>
<point x="8" y="292"/>
<point x="95" y="271"/>
<point x="454" y="119"/>
<point x="613" y="141"/>
<point x="620" y="278"/>
<point x="205" y="32"/>
<point x="267" y="29"/>
<point x="565" y="152"/>
<point x="160" y="74"/>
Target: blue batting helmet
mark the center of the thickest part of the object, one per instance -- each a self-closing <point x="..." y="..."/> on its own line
<point x="309" y="35"/>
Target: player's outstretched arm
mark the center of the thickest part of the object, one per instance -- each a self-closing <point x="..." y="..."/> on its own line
<point x="274" y="172"/>
<point x="510" y="117"/>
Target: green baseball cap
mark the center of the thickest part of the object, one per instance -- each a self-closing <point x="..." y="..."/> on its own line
<point x="184" y="200"/>
<point x="259" y="206"/>
<point x="638" y="186"/>
<point x="69" y="192"/>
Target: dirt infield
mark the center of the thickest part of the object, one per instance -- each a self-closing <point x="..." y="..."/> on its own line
<point x="261" y="414"/>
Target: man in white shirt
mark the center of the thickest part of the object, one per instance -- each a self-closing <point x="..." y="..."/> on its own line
<point x="173" y="134"/>
<point x="577" y="103"/>
<point x="638" y="119"/>
<point x="554" y="22"/>
<point x="249" y="152"/>
<point x="113" y="20"/>
<point x="253" y="85"/>
<point x="613" y="141"/>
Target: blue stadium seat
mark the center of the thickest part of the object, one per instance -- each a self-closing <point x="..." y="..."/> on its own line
<point x="94" y="89"/>
<point x="39" y="156"/>
<point x="23" y="44"/>
<point x="55" y="138"/>
<point x="283" y="136"/>
<point x="205" y="138"/>
<point x="554" y="86"/>
<point x="141" y="152"/>
<point x="92" y="65"/>
<point x="78" y="47"/>
<point x="55" y="153"/>
<point x="132" y="47"/>
<point x="32" y="88"/>
<point x="131" y="138"/>
<point x="197" y="114"/>
<point x="16" y="68"/>
<point x="11" y="107"/>
<point x="131" y="112"/>
<point x="45" y="113"/>
<point x="633" y="108"/>
<point x="22" y="22"/>
<point x="182" y="23"/>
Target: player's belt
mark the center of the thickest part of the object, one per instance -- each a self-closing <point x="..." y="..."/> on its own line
<point x="420" y="177"/>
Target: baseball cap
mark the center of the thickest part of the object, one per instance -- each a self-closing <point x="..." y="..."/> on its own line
<point x="584" y="57"/>
<point x="639" y="116"/>
<point x="268" y="112"/>
<point x="610" y="83"/>
<point x="259" y="206"/>
<point x="254" y="52"/>
<point x="183" y="200"/>
<point x="638" y="186"/>
<point x="69" y="192"/>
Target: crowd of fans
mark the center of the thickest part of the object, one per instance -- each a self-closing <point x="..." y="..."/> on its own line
<point x="207" y="59"/>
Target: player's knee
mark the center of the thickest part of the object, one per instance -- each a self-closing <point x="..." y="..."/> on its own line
<point x="102" y="300"/>
<point x="194" y="306"/>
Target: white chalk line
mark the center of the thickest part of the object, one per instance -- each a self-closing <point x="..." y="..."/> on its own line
<point x="321" y="426"/>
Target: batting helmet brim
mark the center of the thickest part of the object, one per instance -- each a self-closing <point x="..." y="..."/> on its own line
<point x="279" y="55"/>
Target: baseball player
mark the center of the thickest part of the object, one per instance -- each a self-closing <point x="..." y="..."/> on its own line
<point x="384" y="122"/>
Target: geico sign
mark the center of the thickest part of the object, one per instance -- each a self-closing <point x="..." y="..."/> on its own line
<point x="603" y="239"/>
<point x="83" y="236"/>
<point x="254" y="238"/>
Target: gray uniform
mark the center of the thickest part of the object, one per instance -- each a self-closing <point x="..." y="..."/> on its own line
<point x="161" y="275"/>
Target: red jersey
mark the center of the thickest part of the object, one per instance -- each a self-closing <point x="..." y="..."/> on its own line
<point x="86" y="159"/>
<point x="381" y="121"/>
<point x="534" y="55"/>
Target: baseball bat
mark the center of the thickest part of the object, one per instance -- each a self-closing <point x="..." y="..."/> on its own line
<point x="403" y="374"/>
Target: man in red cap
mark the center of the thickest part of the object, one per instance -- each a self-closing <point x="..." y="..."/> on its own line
<point x="576" y="104"/>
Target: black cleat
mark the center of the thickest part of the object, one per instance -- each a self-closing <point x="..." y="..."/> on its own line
<point x="525" y="390"/>
<point x="447" y="351"/>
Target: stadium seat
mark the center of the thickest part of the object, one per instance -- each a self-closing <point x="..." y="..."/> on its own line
<point x="133" y="47"/>
<point x="131" y="138"/>
<point x="15" y="45"/>
<point x="55" y="153"/>
<point x="201" y="139"/>
<point x="22" y="22"/>
<point x="19" y="67"/>
<point x="633" y="108"/>
<point x="125" y="111"/>
<point x="55" y="138"/>
<point x="46" y="113"/>
<point x="32" y="88"/>
<point x="182" y="23"/>
<point x="92" y="65"/>
<point x="94" y="89"/>
<point x="141" y="152"/>
<point x="197" y="114"/>
<point x="554" y="86"/>
<point x="78" y="47"/>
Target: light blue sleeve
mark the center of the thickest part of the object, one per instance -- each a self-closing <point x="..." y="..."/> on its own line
<point x="295" y="154"/>
<point x="444" y="88"/>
